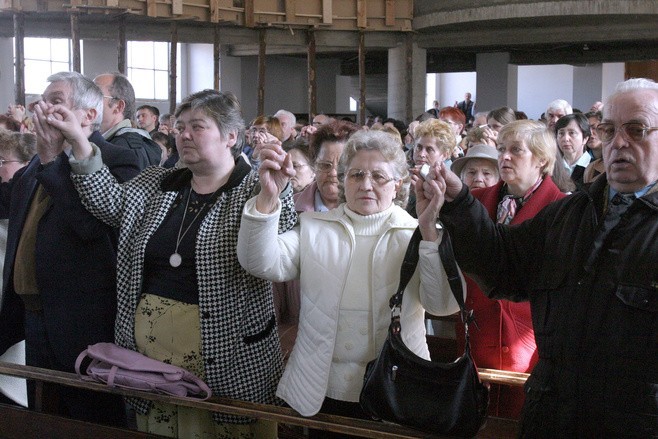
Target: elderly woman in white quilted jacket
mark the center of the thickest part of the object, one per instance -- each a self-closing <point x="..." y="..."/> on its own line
<point x="182" y="296"/>
<point x="348" y="262"/>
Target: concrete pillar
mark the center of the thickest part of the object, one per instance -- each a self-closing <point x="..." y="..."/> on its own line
<point x="496" y="81"/>
<point x="398" y="75"/>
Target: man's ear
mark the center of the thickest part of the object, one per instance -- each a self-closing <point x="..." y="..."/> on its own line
<point x="89" y="117"/>
<point x="120" y="106"/>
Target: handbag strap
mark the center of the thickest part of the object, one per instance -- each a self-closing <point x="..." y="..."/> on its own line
<point x="450" y="266"/>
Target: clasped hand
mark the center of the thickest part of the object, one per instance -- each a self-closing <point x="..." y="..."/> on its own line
<point x="53" y="125"/>
<point x="275" y="172"/>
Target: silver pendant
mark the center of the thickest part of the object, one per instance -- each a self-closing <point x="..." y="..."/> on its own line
<point x="175" y="260"/>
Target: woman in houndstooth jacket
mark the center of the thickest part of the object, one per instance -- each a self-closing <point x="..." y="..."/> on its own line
<point x="182" y="295"/>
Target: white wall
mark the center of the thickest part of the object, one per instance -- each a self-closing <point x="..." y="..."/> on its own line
<point x="453" y="86"/>
<point x="539" y="85"/>
<point x="612" y="73"/>
<point x="199" y="75"/>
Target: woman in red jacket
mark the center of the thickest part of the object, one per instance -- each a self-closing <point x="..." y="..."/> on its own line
<point x="505" y="339"/>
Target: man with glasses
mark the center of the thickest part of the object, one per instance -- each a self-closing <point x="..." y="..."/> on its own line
<point x="117" y="126"/>
<point x="588" y="264"/>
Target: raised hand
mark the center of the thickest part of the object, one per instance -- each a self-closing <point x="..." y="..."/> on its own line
<point x="275" y="171"/>
<point x="55" y="124"/>
<point x="430" y="196"/>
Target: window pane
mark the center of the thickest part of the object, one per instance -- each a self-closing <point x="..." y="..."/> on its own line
<point x="141" y="54"/>
<point x="161" y="85"/>
<point x="60" y="49"/>
<point x="161" y="56"/>
<point x="142" y="81"/>
<point x="36" y="73"/>
<point x="36" y="48"/>
<point x="60" y="67"/>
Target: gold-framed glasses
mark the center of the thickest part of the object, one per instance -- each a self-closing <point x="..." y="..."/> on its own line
<point x="632" y="130"/>
<point x="377" y="177"/>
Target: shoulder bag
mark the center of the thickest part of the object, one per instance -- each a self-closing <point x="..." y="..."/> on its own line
<point x="124" y="368"/>
<point x="400" y="387"/>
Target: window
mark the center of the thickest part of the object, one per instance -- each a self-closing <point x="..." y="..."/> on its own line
<point x="43" y="57"/>
<point x="148" y="69"/>
<point x="353" y="104"/>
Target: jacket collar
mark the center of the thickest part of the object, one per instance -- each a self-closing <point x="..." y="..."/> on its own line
<point x="597" y="192"/>
<point x="399" y="217"/>
<point x="182" y="178"/>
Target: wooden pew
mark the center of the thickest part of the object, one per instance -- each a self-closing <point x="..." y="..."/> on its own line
<point x="20" y="423"/>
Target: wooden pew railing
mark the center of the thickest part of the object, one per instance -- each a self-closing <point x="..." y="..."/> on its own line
<point x="22" y="423"/>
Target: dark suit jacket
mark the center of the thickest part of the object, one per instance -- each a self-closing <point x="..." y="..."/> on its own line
<point x="75" y="256"/>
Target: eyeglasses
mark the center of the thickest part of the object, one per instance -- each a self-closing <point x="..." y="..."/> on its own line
<point x="632" y="130"/>
<point x="297" y="166"/>
<point x="3" y="161"/>
<point x="325" y="166"/>
<point x="378" y="177"/>
<point x="110" y="97"/>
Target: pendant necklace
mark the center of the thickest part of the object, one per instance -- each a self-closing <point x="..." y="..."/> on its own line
<point x="175" y="259"/>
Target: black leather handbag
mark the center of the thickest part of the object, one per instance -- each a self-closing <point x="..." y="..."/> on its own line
<point x="400" y="387"/>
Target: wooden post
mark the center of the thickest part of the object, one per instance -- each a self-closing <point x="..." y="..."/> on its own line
<point x="122" y="54"/>
<point x="216" y="58"/>
<point x="312" y="83"/>
<point x="362" y="78"/>
<point x="19" y="69"/>
<point x="75" y="41"/>
<point x="172" y="67"/>
<point x="409" y="80"/>
<point x="261" y="72"/>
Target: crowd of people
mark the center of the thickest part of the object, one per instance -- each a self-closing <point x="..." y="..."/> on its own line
<point x="262" y="257"/>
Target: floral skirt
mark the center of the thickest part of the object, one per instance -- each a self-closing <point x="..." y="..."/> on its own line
<point x="169" y="331"/>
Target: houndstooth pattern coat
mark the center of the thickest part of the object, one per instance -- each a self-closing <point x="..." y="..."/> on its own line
<point x="240" y="345"/>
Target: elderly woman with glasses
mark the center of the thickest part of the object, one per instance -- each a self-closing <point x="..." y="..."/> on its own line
<point x="348" y="263"/>
<point x="326" y="146"/>
<point x="526" y="157"/>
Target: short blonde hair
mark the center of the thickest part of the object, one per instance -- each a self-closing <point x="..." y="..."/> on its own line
<point x="439" y="130"/>
<point x="388" y="146"/>
<point x="536" y="136"/>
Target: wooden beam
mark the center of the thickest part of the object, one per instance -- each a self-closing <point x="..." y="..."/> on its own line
<point x="122" y="53"/>
<point x="177" y="7"/>
<point x="327" y="11"/>
<point x="361" y="17"/>
<point x="409" y="80"/>
<point x="362" y="78"/>
<point x="249" y="19"/>
<point x="214" y="11"/>
<point x="312" y="83"/>
<point x="151" y="8"/>
<point x="173" y="52"/>
<point x="390" y="13"/>
<point x="216" y="59"/>
<point x="75" y="41"/>
<point x="260" y="109"/>
<point x="19" y="67"/>
<point x="290" y="11"/>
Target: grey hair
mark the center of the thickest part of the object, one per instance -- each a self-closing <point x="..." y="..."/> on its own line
<point x="389" y="147"/>
<point x="223" y="108"/>
<point x="559" y="104"/>
<point x="121" y="88"/>
<point x="631" y="85"/>
<point x="86" y="95"/>
<point x="287" y="114"/>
